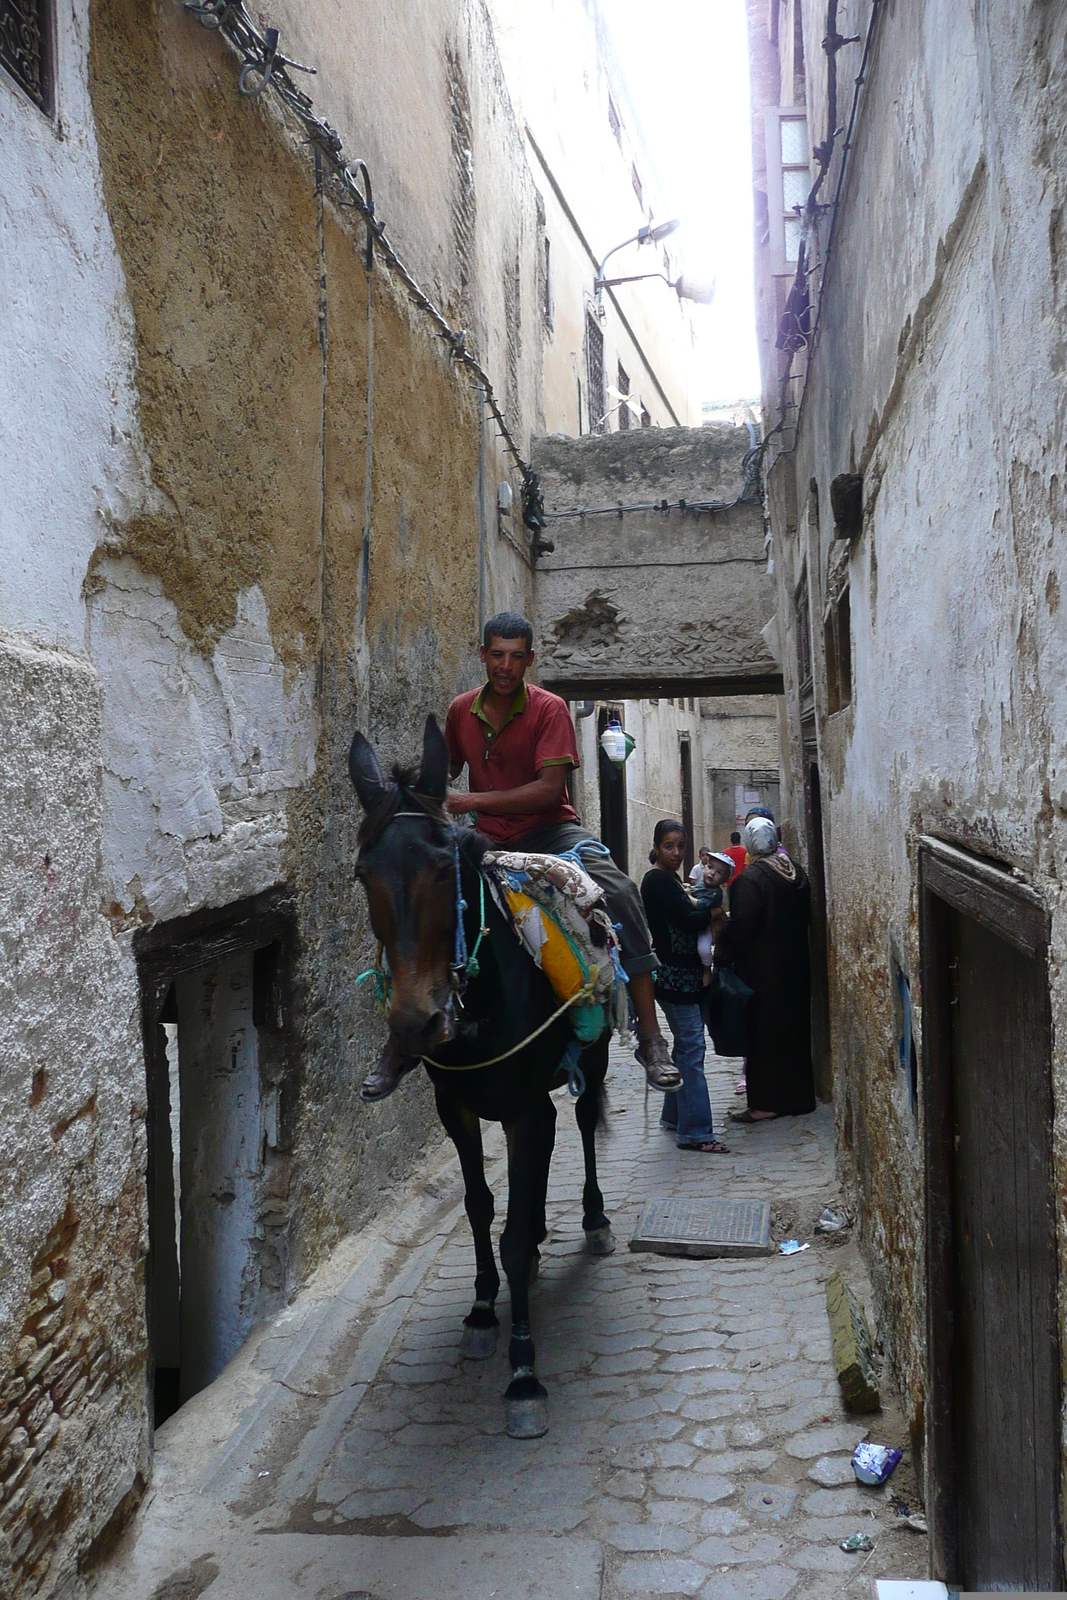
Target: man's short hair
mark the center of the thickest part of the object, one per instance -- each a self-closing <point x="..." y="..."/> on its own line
<point x="508" y="625"/>
<point x="704" y="850"/>
<point x="735" y="838"/>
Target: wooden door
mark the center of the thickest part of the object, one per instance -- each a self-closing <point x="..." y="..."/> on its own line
<point x="1006" y="1354"/>
<point x="819" y="936"/>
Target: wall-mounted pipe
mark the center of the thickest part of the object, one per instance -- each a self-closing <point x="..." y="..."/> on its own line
<point x="584" y="708"/>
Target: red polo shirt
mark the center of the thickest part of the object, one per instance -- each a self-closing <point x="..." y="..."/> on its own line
<point x="738" y="855"/>
<point x="538" y="733"/>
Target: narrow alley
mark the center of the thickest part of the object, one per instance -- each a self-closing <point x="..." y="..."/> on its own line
<point x="443" y="442"/>
<point x="698" y="1443"/>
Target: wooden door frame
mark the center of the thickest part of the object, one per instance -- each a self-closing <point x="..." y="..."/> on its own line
<point x="952" y="880"/>
<point x="821" y="1049"/>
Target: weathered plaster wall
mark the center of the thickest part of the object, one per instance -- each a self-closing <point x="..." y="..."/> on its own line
<point x="201" y="361"/>
<point x="247" y="591"/>
<point x="200" y="753"/>
<point x="607" y="598"/>
<point x="654" y="771"/>
<point x="73" y="1427"/>
<point x="942" y="382"/>
<point x="740" y="731"/>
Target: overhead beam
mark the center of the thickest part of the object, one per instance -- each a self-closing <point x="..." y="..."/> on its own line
<point x="619" y="688"/>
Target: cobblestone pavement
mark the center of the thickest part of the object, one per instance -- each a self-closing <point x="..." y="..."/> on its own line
<point x="697" y="1446"/>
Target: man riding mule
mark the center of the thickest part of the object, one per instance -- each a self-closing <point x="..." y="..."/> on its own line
<point x="517" y="743"/>
<point x="466" y="998"/>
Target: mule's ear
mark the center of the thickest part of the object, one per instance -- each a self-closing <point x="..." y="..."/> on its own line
<point x="365" y="772"/>
<point x="433" y="774"/>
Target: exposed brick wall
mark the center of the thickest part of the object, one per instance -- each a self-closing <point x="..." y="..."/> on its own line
<point x="74" y="1383"/>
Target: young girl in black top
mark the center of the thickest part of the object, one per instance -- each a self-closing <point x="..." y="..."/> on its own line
<point x="676" y="923"/>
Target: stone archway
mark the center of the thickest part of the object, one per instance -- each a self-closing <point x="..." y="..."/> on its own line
<point x="657" y="579"/>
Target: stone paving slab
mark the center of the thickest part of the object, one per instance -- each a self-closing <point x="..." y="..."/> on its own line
<point x="474" y="1567"/>
<point x="698" y="1443"/>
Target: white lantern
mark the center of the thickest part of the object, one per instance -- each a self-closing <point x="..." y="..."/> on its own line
<point x="613" y="744"/>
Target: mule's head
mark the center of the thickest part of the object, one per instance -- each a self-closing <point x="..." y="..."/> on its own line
<point x="407" y="865"/>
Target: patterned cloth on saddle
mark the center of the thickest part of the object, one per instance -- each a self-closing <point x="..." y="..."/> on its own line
<point x="560" y="916"/>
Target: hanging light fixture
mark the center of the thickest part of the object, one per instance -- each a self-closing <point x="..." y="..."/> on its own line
<point x="617" y="745"/>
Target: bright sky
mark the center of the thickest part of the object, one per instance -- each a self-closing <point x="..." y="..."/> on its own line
<point x="686" y="64"/>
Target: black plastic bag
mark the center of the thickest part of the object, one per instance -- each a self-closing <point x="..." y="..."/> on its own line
<point x="726" y="1012"/>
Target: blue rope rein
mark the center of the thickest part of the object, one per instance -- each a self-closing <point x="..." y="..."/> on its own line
<point x="467" y="966"/>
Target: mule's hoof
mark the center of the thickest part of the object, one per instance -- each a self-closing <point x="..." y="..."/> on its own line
<point x="478" y="1344"/>
<point x="600" y="1241"/>
<point x="528" y="1419"/>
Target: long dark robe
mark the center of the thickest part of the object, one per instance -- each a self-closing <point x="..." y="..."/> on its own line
<point x="766" y="939"/>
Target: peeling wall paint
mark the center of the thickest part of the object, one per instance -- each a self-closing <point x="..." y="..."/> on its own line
<point x="190" y="337"/>
<point x="200" y="755"/>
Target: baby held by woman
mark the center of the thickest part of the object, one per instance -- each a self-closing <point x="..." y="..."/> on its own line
<point x="707" y="891"/>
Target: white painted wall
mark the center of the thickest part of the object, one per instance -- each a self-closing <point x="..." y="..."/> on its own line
<point x="70" y="442"/>
<point x="653" y="772"/>
<point x="200" y="756"/>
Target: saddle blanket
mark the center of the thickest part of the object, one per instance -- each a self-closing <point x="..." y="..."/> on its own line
<point x="560" y="916"/>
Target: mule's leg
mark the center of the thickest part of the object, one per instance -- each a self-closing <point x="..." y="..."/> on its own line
<point x="480" y="1326"/>
<point x="530" y="1140"/>
<point x="598" y="1236"/>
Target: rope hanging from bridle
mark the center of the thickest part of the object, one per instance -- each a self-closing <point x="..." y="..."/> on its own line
<point x="476" y="1066"/>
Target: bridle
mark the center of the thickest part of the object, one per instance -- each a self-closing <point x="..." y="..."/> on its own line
<point x="465" y="964"/>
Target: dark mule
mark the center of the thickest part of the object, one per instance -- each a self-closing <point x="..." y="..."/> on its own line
<point x="407" y="863"/>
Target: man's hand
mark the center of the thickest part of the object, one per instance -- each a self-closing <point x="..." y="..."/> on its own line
<point x="544" y="794"/>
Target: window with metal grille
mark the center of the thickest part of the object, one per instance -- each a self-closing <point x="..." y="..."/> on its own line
<point x="639" y="190"/>
<point x="788" y="182"/>
<point x="594" y="367"/>
<point x="646" y="417"/>
<point x="614" y="122"/>
<point x="624" y="403"/>
<point x="26" y="48"/>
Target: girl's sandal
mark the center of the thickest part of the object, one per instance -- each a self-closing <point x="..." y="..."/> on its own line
<point x="714" y="1147"/>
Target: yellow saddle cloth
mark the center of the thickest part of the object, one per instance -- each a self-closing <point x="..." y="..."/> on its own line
<point x="553" y="906"/>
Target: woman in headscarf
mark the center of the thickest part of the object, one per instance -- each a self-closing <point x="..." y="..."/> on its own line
<point x="766" y="941"/>
<point x="676" y="924"/>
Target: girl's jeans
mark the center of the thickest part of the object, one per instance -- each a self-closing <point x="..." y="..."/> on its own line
<point x="688" y="1110"/>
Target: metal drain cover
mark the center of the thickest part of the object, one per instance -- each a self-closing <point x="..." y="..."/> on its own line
<point x="675" y="1227"/>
